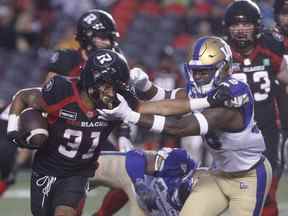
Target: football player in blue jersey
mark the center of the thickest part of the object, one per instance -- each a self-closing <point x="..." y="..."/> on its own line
<point x="162" y="180"/>
<point x="242" y="173"/>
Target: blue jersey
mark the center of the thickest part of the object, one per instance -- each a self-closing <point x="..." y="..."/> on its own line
<point x="173" y="175"/>
<point x="237" y="150"/>
<point x="240" y="91"/>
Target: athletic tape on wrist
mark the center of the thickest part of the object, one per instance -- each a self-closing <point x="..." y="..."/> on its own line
<point x="198" y="103"/>
<point x="133" y="117"/>
<point x="203" y="123"/>
<point x="158" y="124"/>
<point x="160" y="95"/>
<point x="13" y="121"/>
<point x="173" y="93"/>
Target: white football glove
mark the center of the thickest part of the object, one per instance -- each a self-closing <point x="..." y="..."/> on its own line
<point x="121" y="112"/>
<point x="140" y="79"/>
<point x="125" y="144"/>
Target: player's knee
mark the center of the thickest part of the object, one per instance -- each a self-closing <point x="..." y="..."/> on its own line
<point x="65" y="211"/>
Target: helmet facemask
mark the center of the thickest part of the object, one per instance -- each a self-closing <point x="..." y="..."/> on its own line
<point x="242" y="34"/>
<point x="93" y="37"/>
<point x="204" y="79"/>
<point x="209" y="66"/>
<point x="104" y="67"/>
<point x="242" y="23"/>
<point x="96" y="24"/>
<point x="103" y="93"/>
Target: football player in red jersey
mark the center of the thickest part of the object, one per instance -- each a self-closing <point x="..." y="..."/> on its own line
<point x="61" y="168"/>
<point x="95" y="29"/>
<point x="256" y="60"/>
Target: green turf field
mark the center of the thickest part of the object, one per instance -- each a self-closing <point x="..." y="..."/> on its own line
<point x="16" y="200"/>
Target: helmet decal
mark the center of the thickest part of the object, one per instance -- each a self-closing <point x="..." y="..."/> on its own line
<point x="103" y="60"/>
<point x="242" y="12"/>
<point x="211" y="62"/>
<point x="96" y="23"/>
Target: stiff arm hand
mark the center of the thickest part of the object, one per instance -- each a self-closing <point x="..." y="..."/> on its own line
<point x="221" y="97"/>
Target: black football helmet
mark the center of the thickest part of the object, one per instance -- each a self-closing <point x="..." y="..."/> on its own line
<point x="281" y="7"/>
<point x="242" y="11"/>
<point x="106" y="66"/>
<point x="96" y="23"/>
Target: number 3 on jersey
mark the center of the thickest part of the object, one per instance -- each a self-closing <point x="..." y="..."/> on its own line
<point x="71" y="148"/>
<point x="261" y="77"/>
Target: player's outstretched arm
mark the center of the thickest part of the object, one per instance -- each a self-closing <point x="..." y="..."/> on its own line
<point x="187" y="104"/>
<point x="194" y="124"/>
<point x="173" y="107"/>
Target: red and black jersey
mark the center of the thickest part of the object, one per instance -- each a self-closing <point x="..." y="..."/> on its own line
<point x="282" y="97"/>
<point x="66" y="62"/>
<point x="76" y="133"/>
<point x="259" y="70"/>
<point x="278" y="35"/>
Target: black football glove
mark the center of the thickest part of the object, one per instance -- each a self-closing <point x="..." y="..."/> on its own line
<point x="146" y="195"/>
<point x="19" y="139"/>
<point x="182" y="192"/>
<point x="129" y="93"/>
<point x="219" y="96"/>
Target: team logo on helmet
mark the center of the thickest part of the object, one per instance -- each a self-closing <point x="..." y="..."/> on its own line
<point x="54" y="58"/>
<point x="103" y="59"/>
<point x="49" y="85"/>
<point x="211" y="56"/>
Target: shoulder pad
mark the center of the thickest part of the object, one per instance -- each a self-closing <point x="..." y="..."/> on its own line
<point x="271" y="37"/>
<point x="239" y="91"/>
<point x="56" y="89"/>
<point x="63" y="61"/>
<point x="277" y="36"/>
<point x="236" y="87"/>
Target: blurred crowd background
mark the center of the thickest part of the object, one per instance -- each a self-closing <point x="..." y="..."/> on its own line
<point x="154" y="34"/>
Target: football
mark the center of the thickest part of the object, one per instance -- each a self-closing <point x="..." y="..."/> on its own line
<point x="35" y="125"/>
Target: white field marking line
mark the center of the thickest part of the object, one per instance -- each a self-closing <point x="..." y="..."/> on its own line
<point x="25" y="194"/>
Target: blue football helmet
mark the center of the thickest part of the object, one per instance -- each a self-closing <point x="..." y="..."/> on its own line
<point x="210" y="64"/>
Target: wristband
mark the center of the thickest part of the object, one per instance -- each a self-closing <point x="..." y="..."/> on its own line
<point x="174" y="92"/>
<point x="160" y="95"/>
<point x="158" y="124"/>
<point x="198" y="103"/>
<point x="203" y="123"/>
<point x="13" y="121"/>
<point x="133" y="117"/>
